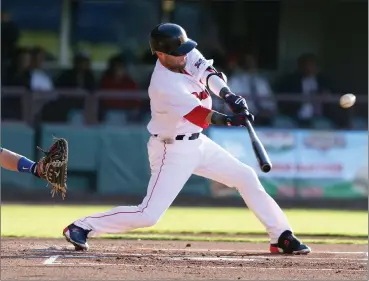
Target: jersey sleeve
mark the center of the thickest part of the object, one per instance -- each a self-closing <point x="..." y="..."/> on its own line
<point x="180" y="103"/>
<point x="197" y="64"/>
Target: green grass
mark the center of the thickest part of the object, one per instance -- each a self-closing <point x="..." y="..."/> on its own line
<point x="49" y="221"/>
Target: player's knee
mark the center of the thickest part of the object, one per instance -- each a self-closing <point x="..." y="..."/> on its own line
<point x="248" y="178"/>
<point x="250" y="172"/>
<point x="148" y="220"/>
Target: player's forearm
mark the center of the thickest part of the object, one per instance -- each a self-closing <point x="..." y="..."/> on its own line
<point x="216" y="118"/>
<point x="18" y="163"/>
<point x="9" y="160"/>
<point x="216" y="82"/>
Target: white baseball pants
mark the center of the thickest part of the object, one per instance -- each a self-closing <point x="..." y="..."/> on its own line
<point x="171" y="166"/>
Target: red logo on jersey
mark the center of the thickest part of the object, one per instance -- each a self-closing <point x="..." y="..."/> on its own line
<point x="201" y="96"/>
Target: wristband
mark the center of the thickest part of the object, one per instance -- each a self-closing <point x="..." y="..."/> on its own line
<point x="225" y="92"/>
<point x="219" y="118"/>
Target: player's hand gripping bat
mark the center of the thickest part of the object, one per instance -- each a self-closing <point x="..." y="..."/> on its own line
<point x="261" y="155"/>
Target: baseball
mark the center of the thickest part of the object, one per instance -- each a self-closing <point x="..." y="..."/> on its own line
<point x="347" y="100"/>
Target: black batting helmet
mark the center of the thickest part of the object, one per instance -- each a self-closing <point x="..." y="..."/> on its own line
<point x="171" y="39"/>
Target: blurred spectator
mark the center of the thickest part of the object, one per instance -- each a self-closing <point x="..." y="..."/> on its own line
<point x="9" y="38"/>
<point x="117" y="80"/>
<point x="80" y="76"/>
<point x="232" y="65"/>
<point x="308" y="81"/>
<point x="18" y="72"/>
<point x="116" y="77"/>
<point x="40" y="80"/>
<point x="247" y="81"/>
<point x="208" y="35"/>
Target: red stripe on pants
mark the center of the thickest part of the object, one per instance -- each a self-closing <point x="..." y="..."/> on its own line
<point x="152" y="191"/>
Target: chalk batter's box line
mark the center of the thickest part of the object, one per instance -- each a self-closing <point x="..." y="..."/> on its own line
<point x="218" y="258"/>
<point x="246" y="252"/>
<point x="243" y="251"/>
<point x="52" y="259"/>
<point x="60" y="264"/>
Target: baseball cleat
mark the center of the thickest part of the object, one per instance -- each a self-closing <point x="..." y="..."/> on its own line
<point x="289" y="244"/>
<point x="77" y="236"/>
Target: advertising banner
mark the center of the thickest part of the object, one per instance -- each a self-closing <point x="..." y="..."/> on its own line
<point x="305" y="163"/>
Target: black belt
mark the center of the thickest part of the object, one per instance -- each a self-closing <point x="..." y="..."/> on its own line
<point x="181" y="137"/>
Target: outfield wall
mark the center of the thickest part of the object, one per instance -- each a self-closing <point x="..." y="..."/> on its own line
<point x="112" y="161"/>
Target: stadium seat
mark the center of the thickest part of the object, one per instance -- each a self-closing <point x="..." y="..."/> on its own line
<point x="115" y="118"/>
<point x="359" y="123"/>
<point x="283" y="122"/>
<point x="321" y="123"/>
<point x="76" y="117"/>
<point x="146" y="119"/>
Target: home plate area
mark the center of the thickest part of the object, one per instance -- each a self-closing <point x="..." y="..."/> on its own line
<point x="54" y="259"/>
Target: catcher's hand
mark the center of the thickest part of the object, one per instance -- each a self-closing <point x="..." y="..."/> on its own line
<point x="53" y="166"/>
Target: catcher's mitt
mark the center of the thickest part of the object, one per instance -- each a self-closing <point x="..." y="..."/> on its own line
<point x="53" y="166"/>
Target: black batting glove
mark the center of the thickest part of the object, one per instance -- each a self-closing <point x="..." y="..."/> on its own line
<point x="240" y="119"/>
<point x="237" y="104"/>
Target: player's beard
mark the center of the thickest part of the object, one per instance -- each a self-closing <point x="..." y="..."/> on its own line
<point x="175" y="66"/>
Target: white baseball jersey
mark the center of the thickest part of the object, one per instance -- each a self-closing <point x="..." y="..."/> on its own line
<point x="176" y="95"/>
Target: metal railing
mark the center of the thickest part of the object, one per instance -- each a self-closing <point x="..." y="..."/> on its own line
<point x="32" y="102"/>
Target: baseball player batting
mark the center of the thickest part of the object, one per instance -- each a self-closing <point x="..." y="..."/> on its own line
<point x="180" y="110"/>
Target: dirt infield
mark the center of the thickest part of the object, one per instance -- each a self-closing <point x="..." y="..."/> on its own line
<point x="55" y="259"/>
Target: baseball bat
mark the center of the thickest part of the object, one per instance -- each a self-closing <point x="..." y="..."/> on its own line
<point x="261" y="155"/>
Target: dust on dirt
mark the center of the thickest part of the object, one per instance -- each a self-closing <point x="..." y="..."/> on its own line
<point x="113" y="259"/>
